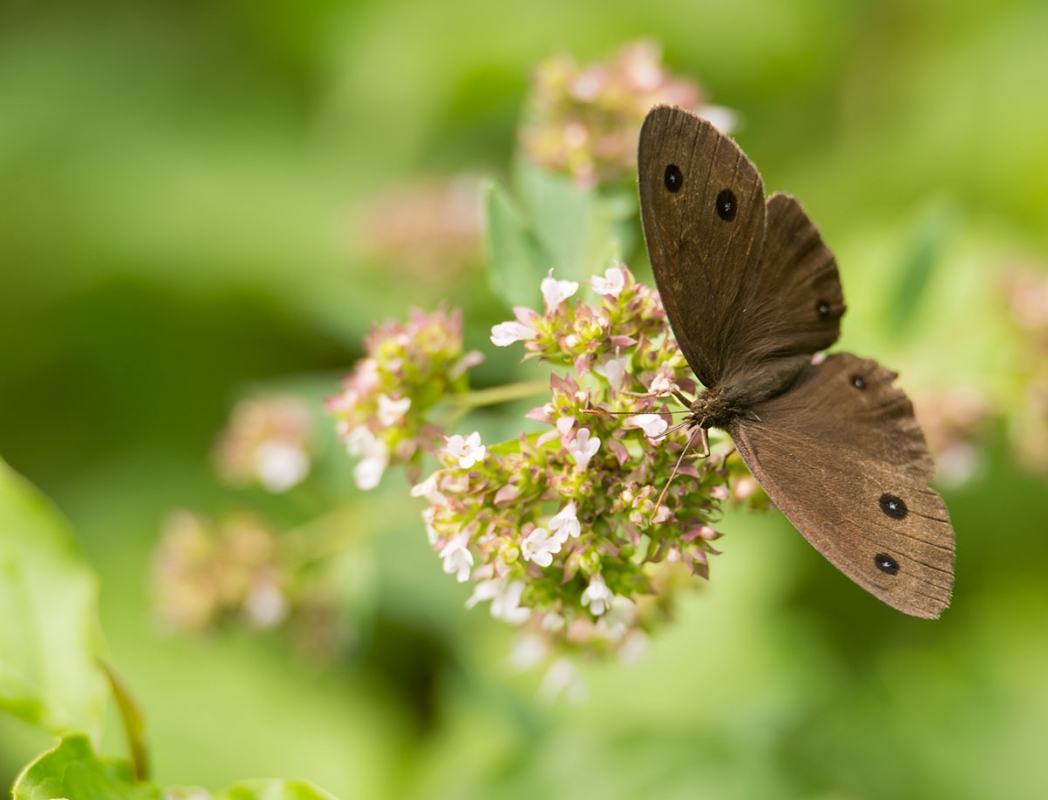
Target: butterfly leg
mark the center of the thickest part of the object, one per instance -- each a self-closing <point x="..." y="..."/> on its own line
<point x="682" y="398"/>
<point x="704" y="443"/>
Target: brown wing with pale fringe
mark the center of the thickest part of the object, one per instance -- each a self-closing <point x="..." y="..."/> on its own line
<point x="704" y="253"/>
<point x="844" y="459"/>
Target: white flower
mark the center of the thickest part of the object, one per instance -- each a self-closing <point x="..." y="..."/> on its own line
<point x="562" y="677"/>
<point x="468" y="450"/>
<point x="584" y="448"/>
<point x="614" y="369"/>
<point x="360" y="441"/>
<point x="485" y="590"/>
<point x="428" y="489"/>
<point x="719" y="492"/>
<point x="504" y="597"/>
<point x="652" y="424"/>
<point x="506" y="333"/>
<point x="566" y="524"/>
<point x="597" y="596"/>
<point x="280" y="465"/>
<point x="555" y="292"/>
<point x="369" y="471"/>
<point x="391" y="411"/>
<point x="612" y="283"/>
<point x="428" y="514"/>
<point x="553" y="622"/>
<point x="540" y="547"/>
<point x="745" y="487"/>
<point x="527" y="652"/>
<point x="266" y="606"/>
<point x="633" y="647"/>
<point x="662" y="384"/>
<point x="723" y="119"/>
<point x="618" y="617"/>
<point x="506" y="605"/>
<point x="457" y="557"/>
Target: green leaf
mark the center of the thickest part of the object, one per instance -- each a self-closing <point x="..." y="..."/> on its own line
<point x="575" y="232"/>
<point x="133" y="720"/>
<point x="517" y="261"/>
<point x="73" y="771"/>
<point x="273" y="790"/>
<point x="583" y="230"/>
<point x="49" y="636"/>
<point x="911" y="287"/>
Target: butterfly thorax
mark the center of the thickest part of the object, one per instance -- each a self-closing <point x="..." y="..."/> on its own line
<point x="718" y="405"/>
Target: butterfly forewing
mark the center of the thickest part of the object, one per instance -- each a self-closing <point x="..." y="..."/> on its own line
<point x="702" y="207"/>
<point x="795" y="302"/>
<point x="843" y="458"/>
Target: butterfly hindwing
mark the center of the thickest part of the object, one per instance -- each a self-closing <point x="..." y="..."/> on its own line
<point x="844" y="459"/>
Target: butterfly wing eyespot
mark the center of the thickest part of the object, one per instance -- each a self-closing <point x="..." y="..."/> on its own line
<point x="893" y="506"/>
<point x="886" y="564"/>
<point x="727" y="205"/>
<point x="672" y="178"/>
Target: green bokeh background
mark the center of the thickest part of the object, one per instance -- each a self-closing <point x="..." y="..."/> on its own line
<point x="176" y="186"/>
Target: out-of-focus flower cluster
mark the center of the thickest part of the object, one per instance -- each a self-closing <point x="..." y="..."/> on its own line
<point x="563" y="529"/>
<point x="204" y="572"/>
<point x="383" y="410"/>
<point x="431" y="228"/>
<point x="267" y="441"/>
<point x="585" y="119"/>
<point x="954" y="421"/>
<point x="1026" y="294"/>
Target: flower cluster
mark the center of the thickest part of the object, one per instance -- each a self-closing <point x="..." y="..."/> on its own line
<point x="572" y="530"/>
<point x="954" y="422"/>
<point x="1026" y="296"/>
<point x="408" y="370"/>
<point x="431" y="228"/>
<point x="204" y="572"/>
<point x="585" y="119"/>
<point x="267" y="441"/>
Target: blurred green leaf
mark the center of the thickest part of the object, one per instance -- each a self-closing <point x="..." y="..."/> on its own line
<point x="919" y="266"/>
<point x="273" y="790"/>
<point x="517" y="260"/>
<point x="583" y="230"/>
<point x="133" y="720"/>
<point x="49" y="674"/>
<point x="575" y="232"/>
<point x="73" y="771"/>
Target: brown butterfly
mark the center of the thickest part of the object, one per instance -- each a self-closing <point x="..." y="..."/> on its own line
<point x="752" y="293"/>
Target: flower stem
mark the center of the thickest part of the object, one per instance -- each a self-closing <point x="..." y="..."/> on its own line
<point x="502" y="394"/>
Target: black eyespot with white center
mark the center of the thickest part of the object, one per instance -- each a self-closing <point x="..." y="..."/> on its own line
<point x="727" y="205"/>
<point x="822" y="308"/>
<point x="893" y="506"/>
<point x="673" y="178"/>
<point x="886" y="564"/>
<point x="858" y="381"/>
